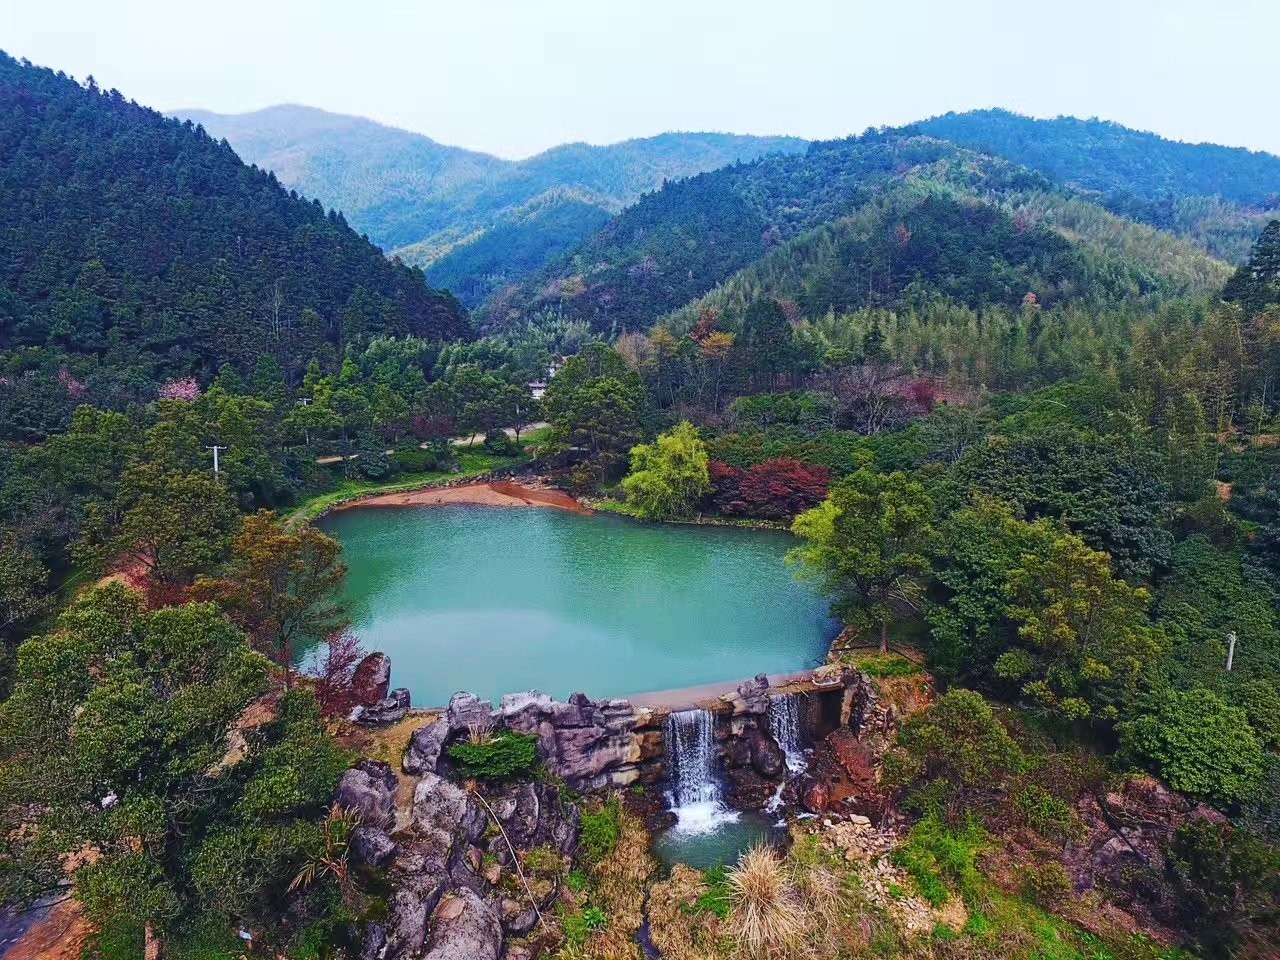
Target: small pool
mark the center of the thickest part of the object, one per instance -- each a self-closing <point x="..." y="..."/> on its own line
<point x="721" y="845"/>
<point x="497" y="600"/>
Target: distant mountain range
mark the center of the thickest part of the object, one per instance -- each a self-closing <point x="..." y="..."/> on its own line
<point x="420" y="199"/>
<point x="483" y="226"/>
<point x="890" y="219"/>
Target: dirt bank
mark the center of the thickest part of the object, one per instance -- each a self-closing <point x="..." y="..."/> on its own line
<point x="494" y="494"/>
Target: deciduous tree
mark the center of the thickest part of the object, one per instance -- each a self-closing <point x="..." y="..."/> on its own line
<point x="867" y="546"/>
<point x="669" y="475"/>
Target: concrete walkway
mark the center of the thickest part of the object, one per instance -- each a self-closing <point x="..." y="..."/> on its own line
<point x="687" y="698"/>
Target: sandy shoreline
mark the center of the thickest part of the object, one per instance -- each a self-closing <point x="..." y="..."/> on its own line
<point x="493" y="494"/>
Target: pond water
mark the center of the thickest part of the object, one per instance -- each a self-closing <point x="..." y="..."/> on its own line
<point x="497" y="600"/>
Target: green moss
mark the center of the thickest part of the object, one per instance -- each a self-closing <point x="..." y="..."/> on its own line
<point x="543" y="861"/>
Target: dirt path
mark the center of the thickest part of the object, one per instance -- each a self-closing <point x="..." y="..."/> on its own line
<point x="495" y="494"/>
<point x="55" y="931"/>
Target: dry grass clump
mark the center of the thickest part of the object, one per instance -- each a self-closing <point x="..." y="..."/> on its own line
<point x="768" y="914"/>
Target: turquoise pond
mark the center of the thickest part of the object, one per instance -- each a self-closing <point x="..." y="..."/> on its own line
<point x="496" y="600"/>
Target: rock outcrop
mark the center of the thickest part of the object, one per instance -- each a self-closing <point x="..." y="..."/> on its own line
<point x="1122" y="850"/>
<point x="446" y="901"/>
<point x="369" y="790"/>
<point x="371" y="680"/>
<point x="423" y="753"/>
<point x="464" y="927"/>
<point x="391" y="709"/>
<point x="588" y="744"/>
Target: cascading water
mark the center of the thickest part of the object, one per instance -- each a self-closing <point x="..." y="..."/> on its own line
<point x="784" y="725"/>
<point x="694" y="792"/>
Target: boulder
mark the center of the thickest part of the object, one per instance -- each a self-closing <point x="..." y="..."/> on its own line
<point x="373" y="942"/>
<point x="441" y="811"/>
<point x="391" y="709"/>
<point x="766" y="756"/>
<point x="419" y="878"/>
<point x="371" y="848"/>
<point x="423" y="753"/>
<point x="583" y="756"/>
<point x="464" y="927"/>
<point x="444" y="822"/>
<point x="812" y="794"/>
<point x="535" y="815"/>
<point x="586" y="743"/>
<point x="752" y="696"/>
<point x="372" y="679"/>
<point x="369" y="790"/>
<point x="468" y="712"/>
<point x="517" y="918"/>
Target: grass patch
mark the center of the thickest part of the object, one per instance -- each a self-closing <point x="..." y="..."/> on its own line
<point x="886" y="665"/>
<point x="717" y="898"/>
<point x="939" y="858"/>
<point x="600" y="830"/>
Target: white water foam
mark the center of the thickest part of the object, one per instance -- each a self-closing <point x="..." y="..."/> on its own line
<point x="694" y="793"/>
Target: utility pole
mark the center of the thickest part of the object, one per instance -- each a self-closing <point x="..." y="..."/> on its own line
<point x="217" y="449"/>
<point x="1231" y="649"/>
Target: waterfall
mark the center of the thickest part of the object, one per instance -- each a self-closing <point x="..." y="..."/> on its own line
<point x="694" y="792"/>
<point x="784" y="725"/>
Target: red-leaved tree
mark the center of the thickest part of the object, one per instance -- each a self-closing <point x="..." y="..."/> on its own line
<point x="334" y="671"/>
<point x="778" y="489"/>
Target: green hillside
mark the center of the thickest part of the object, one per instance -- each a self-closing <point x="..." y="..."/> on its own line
<point x="1219" y="196"/>
<point x="836" y="229"/>
<point x="420" y="198"/>
<point x="135" y="249"/>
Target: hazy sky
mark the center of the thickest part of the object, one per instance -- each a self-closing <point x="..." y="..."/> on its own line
<point x="516" y="76"/>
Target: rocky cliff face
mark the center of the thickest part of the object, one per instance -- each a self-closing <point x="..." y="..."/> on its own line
<point x="455" y="896"/>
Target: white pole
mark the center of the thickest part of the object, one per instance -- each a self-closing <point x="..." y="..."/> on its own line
<point x="1231" y="649"/>
<point x="215" y="448"/>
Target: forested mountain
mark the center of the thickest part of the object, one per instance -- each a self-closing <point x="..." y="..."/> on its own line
<point x="1219" y="196"/>
<point x="396" y="186"/>
<point x="861" y="223"/>
<point x="135" y="249"/>
<point x="421" y="199"/>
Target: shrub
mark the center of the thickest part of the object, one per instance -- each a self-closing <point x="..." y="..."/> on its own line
<point x="952" y="751"/>
<point x="414" y="460"/>
<point x="600" y="830"/>
<point x="669" y="475"/>
<point x="498" y="443"/>
<point x="501" y="755"/>
<point x="1047" y="884"/>
<point x="777" y="489"/>
<point x="1049" y="816"/>
<point x="1198" y="744"/>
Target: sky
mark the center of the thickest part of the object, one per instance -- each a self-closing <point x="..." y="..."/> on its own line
<point x="513" y="77"/>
